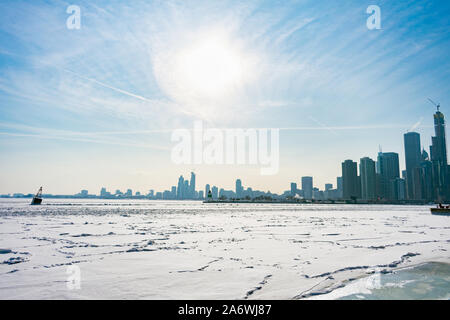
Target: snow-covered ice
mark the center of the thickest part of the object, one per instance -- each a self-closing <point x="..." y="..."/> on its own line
<point x="130" y="249"/>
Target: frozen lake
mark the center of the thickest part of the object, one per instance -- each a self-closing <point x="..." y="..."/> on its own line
<point x="132" y="249"/>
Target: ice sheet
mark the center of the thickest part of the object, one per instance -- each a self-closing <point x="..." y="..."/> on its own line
<point x="132" y="249"/>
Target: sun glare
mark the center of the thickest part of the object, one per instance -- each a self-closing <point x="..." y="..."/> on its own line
<point x="204" y="72"/>
<point x="209" y="68"/>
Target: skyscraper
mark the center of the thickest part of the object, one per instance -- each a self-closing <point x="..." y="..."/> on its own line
<point x="307" y="187"/>
<point x="239" y="189"/>
<point x="413" y="158"/>
<point x="388" y="169"/>
<point x="350" y="179"/>
<point x="173" y="194"/>
<point x="427" y="177"/>
<point x="368" y="178"/>
<point x="293" y="189"/>
<point x="399" y="189"/>
<point x="439" y="147"/>
<point x="207" y="189"/>
<point x="438" y="155"/>
<point x="417" y="177"/>
<point x="186" y="192"/>
<point x="215" y="192"/>
<point x="180" y="188"/>
<point x="192" y="186"/>
<point x="339" y="187"/>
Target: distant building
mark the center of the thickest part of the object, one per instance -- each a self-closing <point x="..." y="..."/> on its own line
<point x="293" y="189"/>
<point x="167" y="195"/>
<point x="239" y="189"/>
<point x="331" y="194"/>
<point x="438" y="154"/>
<point x="399" y="189"/>
<point x="388" y="170"/>
<point x="207" y="189"/>
<point x="427" y="177"/>
<point x="192" y="186"/>
<point x="249" y="193"/>
<point x="215" y="192"/>
<point x="307" y="187"/>
<point x="186" y="191"/>
<point x="339" y="187"/>
<point x="104" y="193"/>
<point x="350" y="182"/>
<point x="226" y="194"/>
<point x="413" y="159"/>
<point x="18" y="195"/>
<point x="180" y="188"/>
<point x="368" y="178"/>
<point x="318" y="194"/>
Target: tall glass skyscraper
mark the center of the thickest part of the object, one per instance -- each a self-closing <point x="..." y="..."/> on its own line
<point x="438" y="152"/>
<point x="439" y="147"/>
<point x="239" y="189"/>
<point x="307" y="187"/>
<point x="180" y="188"/>
<point x="207" y="189"/>
<point x="293" y="189"/>
<point x="388" y="169"/>
<point x="368" y="178"/>
<point x="350" y="179"/>
<point x="413" y="159"/>
<point x="192" y="186"/>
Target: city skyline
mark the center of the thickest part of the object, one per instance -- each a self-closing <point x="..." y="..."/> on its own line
<point x="425" y="178"/>
<point x="95" y="106"/>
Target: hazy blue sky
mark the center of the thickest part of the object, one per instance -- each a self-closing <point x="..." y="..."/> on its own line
<point x="96" y="106"/>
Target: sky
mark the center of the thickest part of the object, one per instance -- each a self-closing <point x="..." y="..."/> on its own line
<point x="96" y="106"/>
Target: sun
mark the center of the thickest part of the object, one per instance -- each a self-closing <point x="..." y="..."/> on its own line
<point x="206" y="72"/>
<point x="209" y="68"/>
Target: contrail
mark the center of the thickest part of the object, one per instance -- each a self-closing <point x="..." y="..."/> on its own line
<point x="68" y="138"/>
<point x="416" y="124"/>
<point x="108" y="86"/>
<point x="368" y="127"/>
<point x="130" y="94"/>
<point x="321" y="124"/>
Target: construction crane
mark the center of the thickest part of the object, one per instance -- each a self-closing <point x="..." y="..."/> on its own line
<point x="437" y="105"/>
